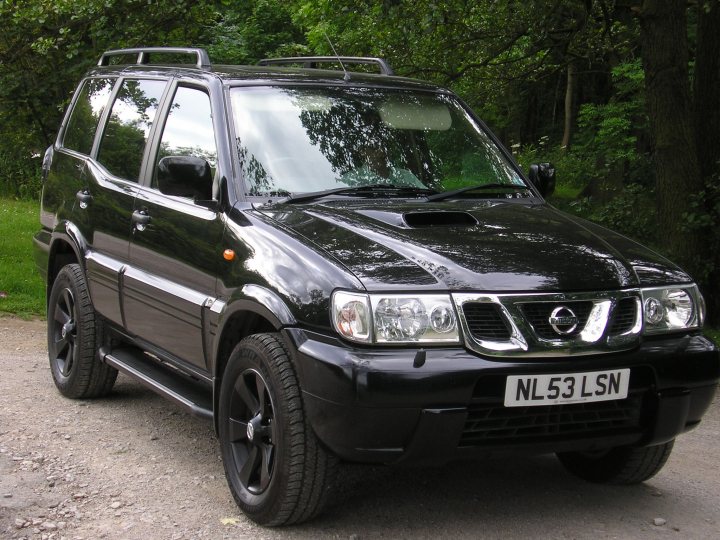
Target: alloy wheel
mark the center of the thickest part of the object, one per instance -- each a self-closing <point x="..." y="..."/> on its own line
<point x="64" y="331"/>
<point x="251" y="431"/>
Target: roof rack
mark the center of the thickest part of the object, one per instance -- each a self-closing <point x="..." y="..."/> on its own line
<point x="313" y="61"/>
<point x="201" y="55"/>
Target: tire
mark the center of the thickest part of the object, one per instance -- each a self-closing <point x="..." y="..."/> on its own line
<point x="278" y="472"/>
<point x="74" y="335"/>
<point x="624" y="465"/>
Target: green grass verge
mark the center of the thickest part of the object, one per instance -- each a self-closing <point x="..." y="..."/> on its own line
<point x="22" y="291"/>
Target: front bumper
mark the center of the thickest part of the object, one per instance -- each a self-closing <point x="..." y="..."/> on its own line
<point x="387" y="406"/>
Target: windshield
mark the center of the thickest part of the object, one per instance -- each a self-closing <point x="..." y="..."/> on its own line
<point x="297" y="140"/>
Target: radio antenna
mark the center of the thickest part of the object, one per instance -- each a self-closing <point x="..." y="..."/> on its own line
<point x="346" y="77"/>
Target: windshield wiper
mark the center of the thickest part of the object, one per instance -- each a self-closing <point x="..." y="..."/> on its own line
<point x="479" y="187"/>
<point x="365" y="191"/>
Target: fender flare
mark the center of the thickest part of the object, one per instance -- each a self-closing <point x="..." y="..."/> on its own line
<point x="68" y="233"/>
<point x="257" y="300"/>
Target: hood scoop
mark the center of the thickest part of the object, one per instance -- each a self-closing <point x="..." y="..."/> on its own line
<point x="423" y="219"/>
<point x="419" y="220"/>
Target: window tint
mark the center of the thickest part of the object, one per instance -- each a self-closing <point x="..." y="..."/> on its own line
<point x="133" y="112"/>
<point x="189" y="129"/>
<point x="91" y="102"/>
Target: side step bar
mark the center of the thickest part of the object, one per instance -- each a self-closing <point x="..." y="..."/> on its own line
<point x="133" y="362"/>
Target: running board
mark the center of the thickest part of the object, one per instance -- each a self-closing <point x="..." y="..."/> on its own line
<point x="134" y="363"/>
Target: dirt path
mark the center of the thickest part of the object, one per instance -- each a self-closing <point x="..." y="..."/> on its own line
<point x="134" y="466"/>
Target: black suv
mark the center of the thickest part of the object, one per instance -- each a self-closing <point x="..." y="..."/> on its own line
<point x="334" y="265"/>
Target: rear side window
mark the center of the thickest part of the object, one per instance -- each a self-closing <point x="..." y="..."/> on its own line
<point x="126" y="134"/>
<point x="89" y="106"/>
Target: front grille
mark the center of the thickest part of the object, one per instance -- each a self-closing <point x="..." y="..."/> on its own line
<point x="624" y="316"/>
<point x="537" y="324"/>
<point x="538" y="315"/>
<point x="488" y="424"/>
<point x="485" y="321"/>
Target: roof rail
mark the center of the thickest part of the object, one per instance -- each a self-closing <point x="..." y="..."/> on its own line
<point x="313" y="61"/>
<point x="201" y="55"/>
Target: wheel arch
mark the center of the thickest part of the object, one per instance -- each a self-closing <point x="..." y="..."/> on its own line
<point x="66" y="247"/>
<point x="242" y="318"/>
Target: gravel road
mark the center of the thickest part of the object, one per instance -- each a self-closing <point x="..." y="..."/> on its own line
<point x="135" y="466"/>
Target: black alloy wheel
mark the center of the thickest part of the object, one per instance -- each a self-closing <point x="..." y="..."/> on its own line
<point x="63" y="330"/>
<point x="252" y="431"/>
<point x="74" y="335"/>
<point x="277" y="471"/>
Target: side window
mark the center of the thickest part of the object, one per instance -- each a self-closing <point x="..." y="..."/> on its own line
<point x="131" y="117"/>
<point x="188" y="130"/>
<point x="89" y="106"/>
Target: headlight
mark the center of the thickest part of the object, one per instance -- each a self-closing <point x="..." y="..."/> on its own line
<point x="667" y="309"/>
<point x="396" y="318"/>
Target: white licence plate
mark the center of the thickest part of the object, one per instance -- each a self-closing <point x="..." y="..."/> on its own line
<point x="529" y="390"/>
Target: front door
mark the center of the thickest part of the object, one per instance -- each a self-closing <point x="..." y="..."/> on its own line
<point x="175" y="251"/>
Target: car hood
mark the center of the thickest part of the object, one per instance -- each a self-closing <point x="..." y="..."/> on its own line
<point x="493" y="246"/>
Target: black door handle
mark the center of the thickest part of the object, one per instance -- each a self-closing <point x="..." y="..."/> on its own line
<point x="84" y="197"/>
<point x="140" y="219"/>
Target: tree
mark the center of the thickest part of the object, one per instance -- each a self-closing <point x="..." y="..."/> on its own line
<point x="704" y="218"/>
<point x="683" y="152"/>
<point x="46" y="46"/>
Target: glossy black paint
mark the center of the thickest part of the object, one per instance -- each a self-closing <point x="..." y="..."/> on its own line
<point x="158" y="276"/>
<point x="174" y="261"/>
<point x="517" y="245"/>
<point x="367" y="405"/>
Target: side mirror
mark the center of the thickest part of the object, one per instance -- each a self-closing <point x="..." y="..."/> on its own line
<point x="542" y="175"/>
<point x="185" y="176"/>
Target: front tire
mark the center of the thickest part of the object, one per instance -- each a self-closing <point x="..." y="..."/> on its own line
<point x="74" y="336"/>
<point x="623" y="465"/>
<point x="276" y="469"/>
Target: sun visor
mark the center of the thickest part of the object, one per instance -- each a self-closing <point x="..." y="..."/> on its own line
<point x="429" y="116"/>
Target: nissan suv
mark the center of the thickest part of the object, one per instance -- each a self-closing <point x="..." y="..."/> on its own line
<point x="333" y="264"/>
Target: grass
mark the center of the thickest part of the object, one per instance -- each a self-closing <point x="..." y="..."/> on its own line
<point x="566" y="192"/>
<point x="22" y="291"/>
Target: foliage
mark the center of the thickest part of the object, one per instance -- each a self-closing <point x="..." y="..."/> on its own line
<point x="609" y="132"/>
<point x="608" y="166"/>
<point x="19" y="166"/>
<point x="22" y="291"/>
<point x="252" y="30"/>
<point x="46" y="46"/>
<point x="704" y="215"/>
<point x="631" y="213"/>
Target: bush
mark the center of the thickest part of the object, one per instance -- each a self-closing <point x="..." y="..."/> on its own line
<point x="20" y="172"/>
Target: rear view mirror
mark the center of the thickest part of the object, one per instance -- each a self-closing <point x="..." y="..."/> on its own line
<point x="185" y="176"/>
<point x="542" y="175"/>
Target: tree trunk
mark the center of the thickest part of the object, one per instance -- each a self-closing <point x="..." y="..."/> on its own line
<point x="569" y="105"/>
<point x="707" y="133"/>
<point x="663" y="25"/>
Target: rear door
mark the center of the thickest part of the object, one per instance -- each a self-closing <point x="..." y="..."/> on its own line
<point x="175" y="250"/>
<point x="106" y="201"/>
